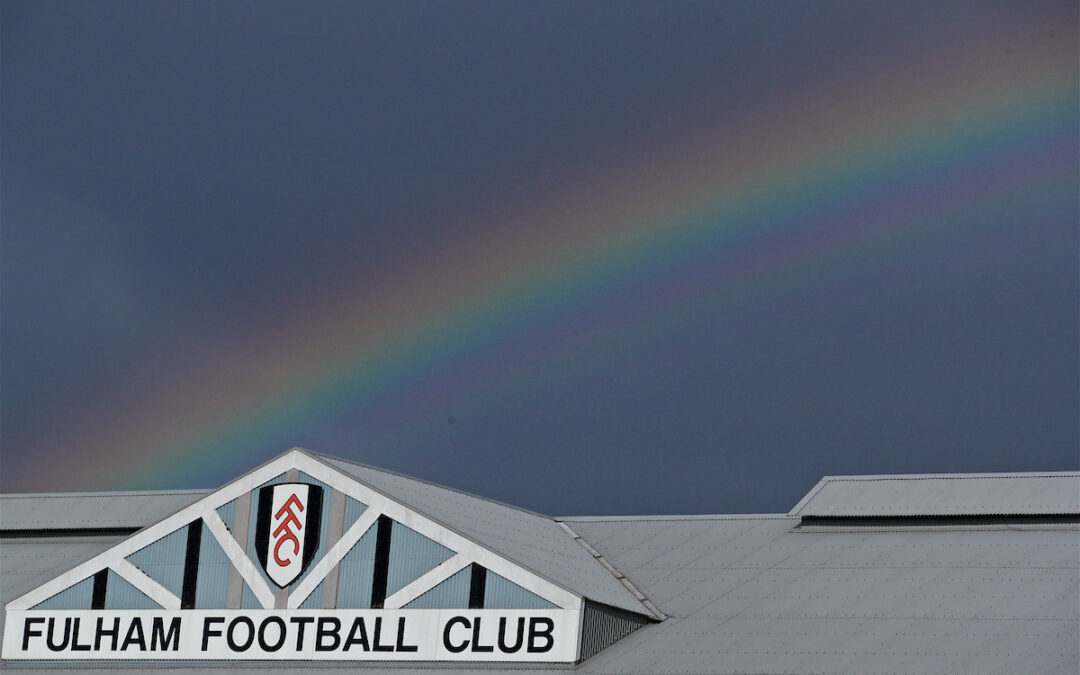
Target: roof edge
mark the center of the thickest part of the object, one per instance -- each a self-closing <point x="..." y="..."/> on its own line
<point x="939" y="476"/>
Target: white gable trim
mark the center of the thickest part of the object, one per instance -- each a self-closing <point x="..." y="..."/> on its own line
<point x="239" y="559"/>
<point x="439" y="533"/>
<point x="152" y="589"/>
<point x="428" y="581"/>
<point x="333" y="557"/>
<point x="377" y="503"/>
<point x="149" y="535"/>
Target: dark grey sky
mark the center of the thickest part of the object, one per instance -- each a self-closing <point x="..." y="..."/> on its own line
<point x="177" y="176"/>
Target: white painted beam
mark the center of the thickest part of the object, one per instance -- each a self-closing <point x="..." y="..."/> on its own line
<point x="239" y="559"/>
<point x="152" y="589"/>
<point x="333" y="557"/>
<point x="426" y="582"/>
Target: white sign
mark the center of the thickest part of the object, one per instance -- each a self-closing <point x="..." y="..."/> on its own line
<point x="354" y="635"/>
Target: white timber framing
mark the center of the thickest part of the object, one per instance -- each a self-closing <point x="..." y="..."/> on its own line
<point x="467" y="551"/>
<point x="152" y="589"/>
<point x="239" y="559"/>
<point x="333" y="557"/>
<point x="426" y="582"/>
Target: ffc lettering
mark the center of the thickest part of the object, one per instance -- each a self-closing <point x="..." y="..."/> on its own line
<point x="283" y="529"/>
<point x="287" y="530"/>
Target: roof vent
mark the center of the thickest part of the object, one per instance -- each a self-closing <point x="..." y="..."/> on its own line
<point x="943" y="495"/>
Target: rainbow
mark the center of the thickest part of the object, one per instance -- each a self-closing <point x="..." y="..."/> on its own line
<point x="728" y="211"/>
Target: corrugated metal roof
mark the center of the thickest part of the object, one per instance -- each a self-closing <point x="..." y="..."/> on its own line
<point x="533" y="541"/>
<point x="762" y="596"/>
<point x="98" y="510"/>
<point x="759" y="595"/>
<point x="26" y="563"/>
<point x="1056" y="493"/>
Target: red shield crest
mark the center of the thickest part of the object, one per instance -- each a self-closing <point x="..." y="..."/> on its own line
<point x="287" y="530"/>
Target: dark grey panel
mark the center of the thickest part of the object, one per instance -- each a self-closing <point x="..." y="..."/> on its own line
<point x="603" y="626"/>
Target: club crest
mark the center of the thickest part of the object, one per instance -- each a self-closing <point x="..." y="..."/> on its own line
<point x="287" y="530"/>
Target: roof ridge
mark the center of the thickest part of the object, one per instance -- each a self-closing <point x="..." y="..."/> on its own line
<point x="431" y="483"/>
<point x="622" y="578"/>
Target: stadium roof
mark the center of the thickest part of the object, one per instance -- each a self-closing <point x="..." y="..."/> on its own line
<point x="738" y="593"/>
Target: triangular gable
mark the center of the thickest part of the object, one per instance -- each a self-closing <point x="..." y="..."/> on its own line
<point x="534" y="542"/>
<point x="147" y="560"/>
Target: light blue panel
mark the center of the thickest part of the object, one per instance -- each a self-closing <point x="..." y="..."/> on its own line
<point x="212" y="584"/>
<point x="353" y="511"/>
<point x="228" y="515"/>
<point x="79" y="596"/>
<point x="501" y="593"/>
<point x="355" y="573"/>
<point x="411" y="554"/>
<point x="163" y="560"/>
<point x="450" y="594"/>
<point x="119" y="594"/>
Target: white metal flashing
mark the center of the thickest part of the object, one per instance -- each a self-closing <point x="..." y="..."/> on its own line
<point x="809" y="495"/>
<point x="653" y="609"/>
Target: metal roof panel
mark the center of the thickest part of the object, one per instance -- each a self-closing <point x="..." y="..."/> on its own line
<point x="91" y="510"/>
<point x="26" y="563"/>
<point x="770" y="597"/>
<point x="1056" y="493"/>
